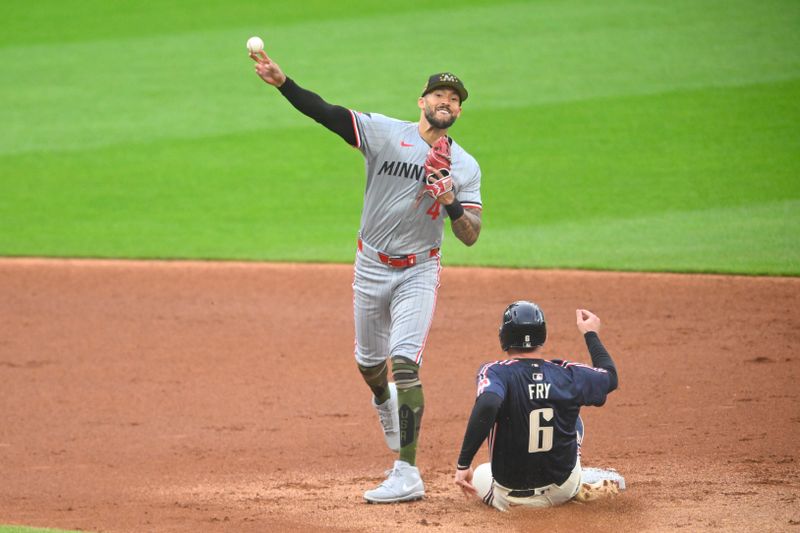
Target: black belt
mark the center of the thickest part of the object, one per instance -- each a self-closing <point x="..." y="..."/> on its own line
<point x="526" y="493"/>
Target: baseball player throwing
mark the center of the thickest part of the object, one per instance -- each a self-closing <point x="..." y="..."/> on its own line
<point x="416" y="176"/>
<point x="529" y="409"/>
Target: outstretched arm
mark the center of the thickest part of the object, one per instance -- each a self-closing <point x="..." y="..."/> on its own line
<point x="336" y="118"/>
<point x="268" y="70"/>
<point x="589" y="325"/>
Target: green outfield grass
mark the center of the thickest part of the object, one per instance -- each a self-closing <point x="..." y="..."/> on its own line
<point x="620" y="135"/>
<point x="20" y="529"/>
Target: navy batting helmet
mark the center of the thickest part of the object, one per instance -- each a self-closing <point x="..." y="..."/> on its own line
<point x="523" y="326"/>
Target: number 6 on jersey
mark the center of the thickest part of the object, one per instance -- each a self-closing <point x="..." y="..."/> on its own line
<point x="541" y="437"/>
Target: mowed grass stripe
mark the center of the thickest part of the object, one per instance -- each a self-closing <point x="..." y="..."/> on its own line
<point x="636" y="155"/>
<point x="752" y="239"/>
<point x="668" y="160"/>
<point x="43" y="21"/>
<point x="136" y="88"/>
<point x="166" y="145"/>
<point x="228" y="198"/>
<point x="224" y="197"/>
<point x="23" y="529"/>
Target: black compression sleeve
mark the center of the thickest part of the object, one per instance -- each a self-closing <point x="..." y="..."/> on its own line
<point x="601" y="358"/>
<point x="481" y="421"/>
<point x="334" y="117"/>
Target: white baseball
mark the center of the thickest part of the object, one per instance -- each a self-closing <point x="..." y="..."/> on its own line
<point x="255" y="44"/>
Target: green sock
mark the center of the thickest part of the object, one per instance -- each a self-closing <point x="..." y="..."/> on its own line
<point x="377" y="380"/>
<point x="410" y="404"/>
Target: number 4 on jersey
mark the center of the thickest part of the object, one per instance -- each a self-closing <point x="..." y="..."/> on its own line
<point x="435" y="210"/>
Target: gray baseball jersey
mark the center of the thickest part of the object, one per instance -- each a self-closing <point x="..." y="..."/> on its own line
<point x="394" y="307"/>
<point x="396" y="218"/>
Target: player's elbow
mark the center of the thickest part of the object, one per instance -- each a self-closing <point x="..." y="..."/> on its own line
<point x="470" y="237"/>
<point x="613" y="379"/>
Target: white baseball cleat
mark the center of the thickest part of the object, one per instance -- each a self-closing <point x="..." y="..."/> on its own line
<point x="390" y="420"/>
<point x="591" y="474"/>
<point x="403" y="484"/>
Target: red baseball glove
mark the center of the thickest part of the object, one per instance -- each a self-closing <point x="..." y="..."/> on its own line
<point x="438" y="159"/>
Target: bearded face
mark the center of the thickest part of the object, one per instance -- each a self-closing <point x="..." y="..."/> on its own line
<point x="440" y="115"/>
<point x="441" y="107"/>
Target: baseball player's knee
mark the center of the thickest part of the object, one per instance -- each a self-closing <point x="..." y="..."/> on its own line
<point x="405" y="373"/>
<point x="372" y="372"/>
<point x="369" y="354"/>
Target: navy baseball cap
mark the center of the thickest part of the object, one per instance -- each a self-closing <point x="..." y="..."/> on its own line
<point x="446" y="79"/>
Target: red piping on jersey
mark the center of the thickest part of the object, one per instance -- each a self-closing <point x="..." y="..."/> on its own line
<point x="483" y="381"/>
<point x="355" y="337"/>
<point x="418" y="359"/>
<point x="355" y="128"/>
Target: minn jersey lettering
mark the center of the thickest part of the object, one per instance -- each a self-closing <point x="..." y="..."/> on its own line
<point x="539" y="391"/>
<point x="402" y="169"/>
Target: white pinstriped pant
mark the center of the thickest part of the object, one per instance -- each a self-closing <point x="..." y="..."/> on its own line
<point x="393" y="308"/>
<point x="494" y="494"/>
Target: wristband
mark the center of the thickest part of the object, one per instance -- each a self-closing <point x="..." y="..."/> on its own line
<point x="459" y="467"/>
<point x="454" y="210"/>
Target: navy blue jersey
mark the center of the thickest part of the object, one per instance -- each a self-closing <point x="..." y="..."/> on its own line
<point x="533" y="442"/>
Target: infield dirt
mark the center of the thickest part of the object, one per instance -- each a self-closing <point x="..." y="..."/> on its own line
<point x="190" y="396"/>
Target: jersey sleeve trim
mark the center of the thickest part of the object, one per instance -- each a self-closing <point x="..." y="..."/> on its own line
<point x="567" y="364"/>
<point x="483" y="378"/>
<point x="355" y="128"/>
<point x="472" y="205"/>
